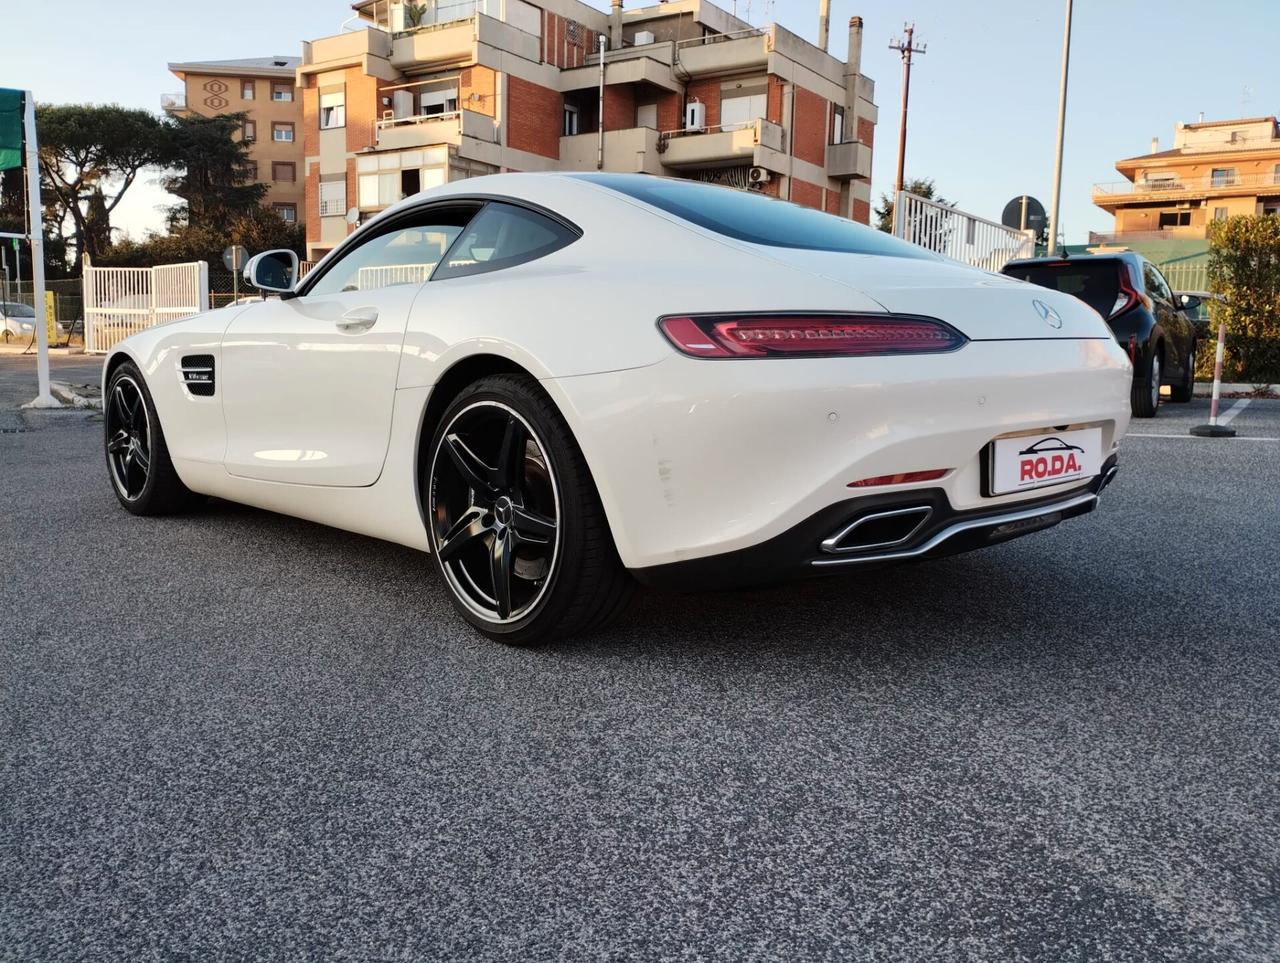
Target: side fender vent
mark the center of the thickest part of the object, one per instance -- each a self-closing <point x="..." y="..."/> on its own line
<point x="197" y="374"/>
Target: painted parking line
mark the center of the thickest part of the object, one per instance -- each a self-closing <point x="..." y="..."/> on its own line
<point x="1239" y="406"/>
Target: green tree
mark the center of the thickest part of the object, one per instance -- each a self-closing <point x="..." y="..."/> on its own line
<point x="211" y="172"/>
<point x="1244" y="266"/>
<point x="257" y="229"/>
<point x="90" y="155"/>
<point x="921" y="187"/>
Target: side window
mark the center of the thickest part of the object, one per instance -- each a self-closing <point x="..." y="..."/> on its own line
<point x="1155" y="283"/>
<point x="405" y="253"/>
<point x="502" y="236"/>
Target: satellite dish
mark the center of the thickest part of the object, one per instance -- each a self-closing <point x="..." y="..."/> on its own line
<point x="353" y="216"/>
<point x="1012" y="216"/>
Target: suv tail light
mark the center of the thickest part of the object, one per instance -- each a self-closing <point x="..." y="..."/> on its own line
<point x="807" y="335"/>
<point x="1129" y="295"/>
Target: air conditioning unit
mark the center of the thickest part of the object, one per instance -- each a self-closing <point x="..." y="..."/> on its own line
<point x="758" y="175"/>
<point x="695" y="115"/>
<point x="643" y="37"/>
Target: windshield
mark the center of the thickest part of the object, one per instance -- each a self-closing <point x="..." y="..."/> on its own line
<point x="757" y="218"/>
<point x="13" y="310"/>
<point x="1096" y="283"/>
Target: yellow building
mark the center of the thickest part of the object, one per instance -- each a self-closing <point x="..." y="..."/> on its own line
<point x="1215" y="169"/>
<point x="264" y="88"/>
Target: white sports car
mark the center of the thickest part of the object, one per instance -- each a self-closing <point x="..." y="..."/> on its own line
<point x="556" y="383"/>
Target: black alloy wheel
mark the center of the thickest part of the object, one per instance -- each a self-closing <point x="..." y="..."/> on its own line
<point x="514" y="519"/>
<point x="128" y="438"/>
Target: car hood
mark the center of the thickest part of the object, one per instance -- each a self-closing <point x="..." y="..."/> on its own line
<point x="982" y="305"/>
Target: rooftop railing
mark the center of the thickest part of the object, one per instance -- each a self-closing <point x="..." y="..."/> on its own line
<point x="1200" y="183"/>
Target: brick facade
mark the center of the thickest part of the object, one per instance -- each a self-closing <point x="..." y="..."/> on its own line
<point x="482" y="82"/>
<point x="708" y="92"/>
<point x="866" y="132"/>
<point x="833" y="202"/>
<point x="809" y="127"/>
<point x="802" y="192"/>
<point x="566" y="43"/>
<point x="861" y="211"/>
<point x="534" y="118"/>
<point x="619" y="107"/>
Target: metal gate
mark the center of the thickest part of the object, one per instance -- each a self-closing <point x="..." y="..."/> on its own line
<point x="957" y="235"/>
<point x="119" y="302"/>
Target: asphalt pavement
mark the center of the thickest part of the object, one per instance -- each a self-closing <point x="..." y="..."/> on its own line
<point x="236" y="735"/>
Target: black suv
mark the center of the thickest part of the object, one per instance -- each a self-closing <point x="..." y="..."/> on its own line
<point x="1134" y="298"/>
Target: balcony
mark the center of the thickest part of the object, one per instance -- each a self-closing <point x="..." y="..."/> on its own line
<point x="447" y="43"/>
<point x="631" y="151"/>
<point x="724" y="52"/>
<point x="850" y="161"/>
<point x="398" y="133"/>
<point x="623" y="70"/>
<point x="345" y="48"/>
<point x="173" y="103"/>
<point x="1178" y="188"/>
<point x="720" y="147"/>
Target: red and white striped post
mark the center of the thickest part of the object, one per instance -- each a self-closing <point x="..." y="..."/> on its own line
<point x="1213" y="429"/>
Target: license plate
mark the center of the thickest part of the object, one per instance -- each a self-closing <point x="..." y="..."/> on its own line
<point x="1052" y="458"/>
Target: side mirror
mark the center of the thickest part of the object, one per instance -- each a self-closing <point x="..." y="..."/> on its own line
<point x="1188" y="302"/>
<point x="272" y="271"/>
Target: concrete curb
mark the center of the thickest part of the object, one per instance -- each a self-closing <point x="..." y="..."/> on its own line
<point x="77" y="396"/>
<point x="1204" y="389"/>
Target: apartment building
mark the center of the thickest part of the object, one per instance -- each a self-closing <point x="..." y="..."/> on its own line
<point x="264" y="88"/>
<point x="424" y="93"/>
<point x="1215" y="169"/>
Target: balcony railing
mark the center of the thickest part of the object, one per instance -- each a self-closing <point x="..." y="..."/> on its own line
<point x="1198" y="184"/>
<point x="173" y="101"/>
<point x="693" y="148"/>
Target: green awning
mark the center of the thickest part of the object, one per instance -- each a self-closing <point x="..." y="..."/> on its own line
<point x="11" y="104"/>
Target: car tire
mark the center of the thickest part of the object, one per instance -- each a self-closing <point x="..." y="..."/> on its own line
<point x="138" y="464"/>
<point x="1184" y="392"/>
<point x="1146" y="388"/>
<point x="514" y="519"/>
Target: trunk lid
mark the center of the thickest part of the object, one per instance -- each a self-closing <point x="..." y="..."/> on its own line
<point x="981" y="305"/>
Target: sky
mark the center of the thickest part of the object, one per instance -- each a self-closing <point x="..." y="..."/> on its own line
<point x="984" y="97"/>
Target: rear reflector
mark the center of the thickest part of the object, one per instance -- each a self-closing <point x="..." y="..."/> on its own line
<point x="902" y="478"/>
<point x="807" y="336"/>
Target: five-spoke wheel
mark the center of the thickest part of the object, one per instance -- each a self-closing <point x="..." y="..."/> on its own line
<point x="128" y="438"/>
<point x="514" y="519"/>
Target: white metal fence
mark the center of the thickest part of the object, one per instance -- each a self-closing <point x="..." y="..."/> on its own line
<point x="957" y="235"/>
<point x="119" y="302"/>
<point x="1187" y="275"/>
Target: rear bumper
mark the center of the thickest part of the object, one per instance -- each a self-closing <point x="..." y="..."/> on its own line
<point x="875" y="531"/>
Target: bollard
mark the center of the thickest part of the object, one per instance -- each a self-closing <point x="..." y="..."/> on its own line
<point x="1213" y="429"/>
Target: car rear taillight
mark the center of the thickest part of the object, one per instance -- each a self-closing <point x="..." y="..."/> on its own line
<point x="902" y="478"/>
<point x="807" y="335"/>
<point x="1129" y="295"/>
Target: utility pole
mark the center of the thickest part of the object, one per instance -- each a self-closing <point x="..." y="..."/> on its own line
<point x="1062" y="120"/>
<point x="906" y="48"/>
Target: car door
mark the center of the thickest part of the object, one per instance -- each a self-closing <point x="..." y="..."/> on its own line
<point x="309" y="381"/>
<point x="1178" y="330"/>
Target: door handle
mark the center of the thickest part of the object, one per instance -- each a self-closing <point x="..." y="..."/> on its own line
<point x="357" y="320"/>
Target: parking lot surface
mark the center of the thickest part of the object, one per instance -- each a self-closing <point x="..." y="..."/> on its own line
<point x="233" y="734"/>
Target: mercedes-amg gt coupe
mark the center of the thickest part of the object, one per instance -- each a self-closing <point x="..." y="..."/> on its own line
<point x="559" y="384"/>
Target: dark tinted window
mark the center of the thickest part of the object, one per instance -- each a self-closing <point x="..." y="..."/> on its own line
<point x="502" y="236"/>
<point x="1096" y="283"/>
<point x="1155" y="283"/>
<point x="757" y="218"/>
<point x="15" y="310"/>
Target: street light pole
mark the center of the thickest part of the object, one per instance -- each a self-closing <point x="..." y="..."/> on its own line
<point x="1062" y="120"/>
<point x="906" y="48"/>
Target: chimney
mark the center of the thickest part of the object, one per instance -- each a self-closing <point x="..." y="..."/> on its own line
<point x="824" y="22"/>
<point x="852" y="67"/>
<point x="1155" y="145"/>
<point x="615" y="25"/>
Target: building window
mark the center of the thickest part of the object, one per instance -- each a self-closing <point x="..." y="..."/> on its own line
<point x="571" y="121"/>
<point x="837" y="126"/>
<point x="436" y="103"/>
<point x="282" y="93"/>
<point x="1219" y="213"/>
<point x="333" y="198"/>
<point x="250" y="130"/>
<point x="282" y="133"/>
<point x="333" y="110"/>
<point x="742" y="103"/>
<point x="248" y="89"/>
<point x="251" y="170"/>
<point x="284" y="171"/>
<point x="1222" y="177"/>
<point x="1275" y="174"/>
<point x="288" y="212"/>
<point x="1170" y="219"/>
